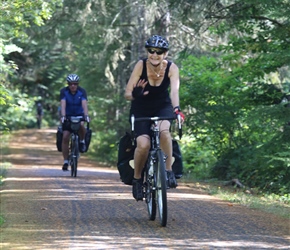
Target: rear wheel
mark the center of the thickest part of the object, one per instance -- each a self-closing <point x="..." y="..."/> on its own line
<point x="150" y="194"/>
<point x="161" y="188"/>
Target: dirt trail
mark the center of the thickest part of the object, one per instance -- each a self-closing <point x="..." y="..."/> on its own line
<point x="46" y="208"/>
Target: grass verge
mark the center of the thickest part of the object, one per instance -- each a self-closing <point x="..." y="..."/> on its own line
<point x="1" y="220"/>
<point x="271" y="203"/>
<point x="3" y="171"/>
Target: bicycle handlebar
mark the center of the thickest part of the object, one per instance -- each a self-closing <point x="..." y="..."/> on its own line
<point x="79" y="117"/>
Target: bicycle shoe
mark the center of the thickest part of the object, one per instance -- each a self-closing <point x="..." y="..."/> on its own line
<point x="82" y="147"/>
<point x="171" y="181"/>
<point x="65" y="167"/>
<point x="137" y="189"/>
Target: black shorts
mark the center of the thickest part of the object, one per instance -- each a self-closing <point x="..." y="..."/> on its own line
<point x="143" y="127"/>
<point x="66" y="126"/>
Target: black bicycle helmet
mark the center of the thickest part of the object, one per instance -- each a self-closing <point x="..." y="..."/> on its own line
<point x="157" y="42"/>
<point x="73" y="78"/>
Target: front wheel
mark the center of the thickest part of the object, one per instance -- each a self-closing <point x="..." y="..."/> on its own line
<point x="74" y="160"/>
<point x="150" y="194"/>
<point x="161" y="188"/>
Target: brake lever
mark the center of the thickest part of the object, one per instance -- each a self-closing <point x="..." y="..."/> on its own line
<point x="132" y="123"/>
<point x="179" y="126"/>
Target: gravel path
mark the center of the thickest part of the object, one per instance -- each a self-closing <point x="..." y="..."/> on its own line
<point x="46" y="208"/>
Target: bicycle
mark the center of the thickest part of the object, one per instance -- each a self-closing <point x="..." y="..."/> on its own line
<point x="155" y="179"/>
<point x="74" y="154"/>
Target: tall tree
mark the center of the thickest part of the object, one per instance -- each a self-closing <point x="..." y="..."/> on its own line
<point x="16" y="17"/>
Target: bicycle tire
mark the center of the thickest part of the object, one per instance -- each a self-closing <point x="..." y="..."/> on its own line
<point x="150" y="194"/>
<point x="161" y="188"/>
<point x="72" y="163"/>
<point x="76" y="156"/>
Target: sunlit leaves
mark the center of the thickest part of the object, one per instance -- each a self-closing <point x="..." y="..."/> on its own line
<point x="258" y="29"/>
<point x="235" y="118"/>
<point x="20" y="14"/>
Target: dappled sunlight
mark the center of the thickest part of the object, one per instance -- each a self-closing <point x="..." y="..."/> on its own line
<point x="79" y="195"/>
<point x="73" y="179"/>
<point x="82" y="193"/>
<point x="41" y="147"/>
<point x="31" y="158"/>
<point x="104" y="193"/>
<point x="99" y="241"/>
<point x="88" y="196"/>
<point x="26" y="179"/>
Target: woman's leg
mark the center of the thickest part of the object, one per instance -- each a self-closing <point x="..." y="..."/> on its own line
<point x="166" y="142"/>
<point x="141" y="154"/>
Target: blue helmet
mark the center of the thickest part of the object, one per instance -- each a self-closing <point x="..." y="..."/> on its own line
<point x="157" y="42"/>
<point x="73" y="78"/>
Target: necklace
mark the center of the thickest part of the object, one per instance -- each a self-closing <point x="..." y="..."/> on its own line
<point x="157" y="74"/>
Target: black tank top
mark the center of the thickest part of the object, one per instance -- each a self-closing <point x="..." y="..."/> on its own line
<point x="158" y="96"/>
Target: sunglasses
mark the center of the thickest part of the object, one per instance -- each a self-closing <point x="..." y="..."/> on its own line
<point x="158" y="52"/>
<point x="73" y="84"/>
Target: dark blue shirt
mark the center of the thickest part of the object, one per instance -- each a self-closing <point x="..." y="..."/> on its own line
<point x="73" y="101"/>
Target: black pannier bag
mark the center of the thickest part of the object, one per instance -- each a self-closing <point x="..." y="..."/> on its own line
<point x="177" y="166"/>
<point x="88" y="137"/>
<point x="59" y="138"/>
<point x="126" y="150"/>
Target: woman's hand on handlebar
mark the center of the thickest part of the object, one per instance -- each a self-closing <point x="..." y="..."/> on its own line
<point x="182" y="116"/>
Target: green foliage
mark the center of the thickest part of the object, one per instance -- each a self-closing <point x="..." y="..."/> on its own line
<point x="262" y="39"/>
<point x="264" y="162"/>
<point x="1" y="220"/>
<point x="242" y="132"/>
<point x="16" y="18"/>
<point x="20" y="14"/>
<point x="197" y="158"/>
<point x="104" y="147"/>
<point x="231" y="94"/>
<point x="3" y="170"/>
<point x="255" y="50"/>
<point x="108" y="126"/>
<point x="19" y="113"/>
